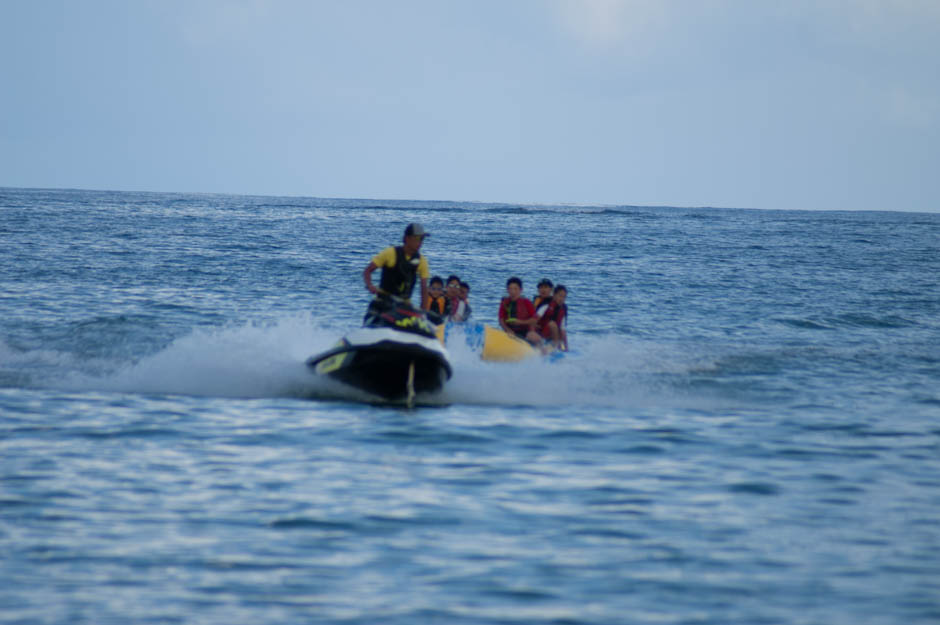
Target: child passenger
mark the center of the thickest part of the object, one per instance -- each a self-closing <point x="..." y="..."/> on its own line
<point x="436" y="302"/>
<point x="552" y="325"/>
<point x="465" y="299"/>
<point x="516" y="313"/>
<point x="543" y="297"/>
<point x="458" y="306"/>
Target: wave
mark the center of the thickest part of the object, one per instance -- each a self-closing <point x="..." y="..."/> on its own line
<point x="263" y="359"/>
<point x="854" y="320"/>
<point x="266" y="359"/>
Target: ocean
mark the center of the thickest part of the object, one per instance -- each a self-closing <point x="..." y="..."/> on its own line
<point x="746" y="429"/>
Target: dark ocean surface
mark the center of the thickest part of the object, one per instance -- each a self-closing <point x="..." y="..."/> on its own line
<point x="747" y="429"/>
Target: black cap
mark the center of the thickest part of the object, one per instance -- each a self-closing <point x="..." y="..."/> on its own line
<point x="415" y="229"/>
<point x="545" y="282"/>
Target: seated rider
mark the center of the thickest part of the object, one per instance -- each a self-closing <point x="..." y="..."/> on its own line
<point x="436" y="302"/>
<point x="552" y="325"/>
<point x="516" y="313"/>
<point x="544" y="296"/>
<point x="465" y="299"/>
<point x="457" y="309"/>
<point x="402" y="266"/>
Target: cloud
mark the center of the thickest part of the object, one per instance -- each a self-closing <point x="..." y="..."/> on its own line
<point x="872" y="13"/>
<point x="911" y="109"/>
<point x="610" y="24"/>
<point x="209" y="23"/>
<point x="602" y="24"/>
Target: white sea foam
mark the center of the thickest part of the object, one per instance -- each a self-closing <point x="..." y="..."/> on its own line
<point x="256" y="359"/>
<point x="262" y="359"/>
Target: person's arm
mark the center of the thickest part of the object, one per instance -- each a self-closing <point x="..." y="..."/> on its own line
<point x="367" y="278"/>
<point x="541" y="323"/>
<point x="563" y="329"/>
<point x="461" y="313"/>
<point x="532" y="319"/>
<point x="424" y="274"/>
<point x="502" y="319"/>
<point x="424" y="294"/>
<point x="385" y="258"/>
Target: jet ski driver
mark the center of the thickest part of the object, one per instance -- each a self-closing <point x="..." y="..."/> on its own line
<point x="402" y="266"/>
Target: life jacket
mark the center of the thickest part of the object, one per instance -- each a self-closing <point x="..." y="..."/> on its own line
<point x="512" y="310"/>
<point x="555" y="313"/>
<point x="541" y="302"/>
<point x="400" y="279"/>
<point x="439" y="304"/>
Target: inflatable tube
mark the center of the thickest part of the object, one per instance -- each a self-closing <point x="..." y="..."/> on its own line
<point x="501" y="347"/>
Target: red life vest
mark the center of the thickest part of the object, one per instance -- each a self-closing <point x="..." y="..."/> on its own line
<point x="554" y="313"/>
<point x="516" y="310"/>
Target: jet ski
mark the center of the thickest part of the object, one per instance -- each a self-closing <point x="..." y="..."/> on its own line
<point x="396" y="355"/>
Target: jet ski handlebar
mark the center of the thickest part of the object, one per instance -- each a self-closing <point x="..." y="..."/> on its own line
<point x="434" y="317"/>
<point x="391" y="296"/>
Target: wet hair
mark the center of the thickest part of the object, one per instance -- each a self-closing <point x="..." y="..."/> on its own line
<point x="512" y="280"/>
<point x="464" y="285"/>
<point x="561" y="287"/>
<point x="436" y="280"/>
<point x="451" y="278"/>
<point x="544" y="282"/>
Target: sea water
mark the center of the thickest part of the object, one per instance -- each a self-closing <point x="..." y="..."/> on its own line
<point x="747" y="429"/>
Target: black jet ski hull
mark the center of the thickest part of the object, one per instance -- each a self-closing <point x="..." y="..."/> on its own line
<point x="380" y="361"/>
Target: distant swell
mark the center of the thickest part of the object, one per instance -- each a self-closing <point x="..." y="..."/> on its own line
<point x="847" y="321"/>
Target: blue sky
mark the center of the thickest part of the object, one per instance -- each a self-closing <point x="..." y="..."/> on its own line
<point x="815" y="104"/>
